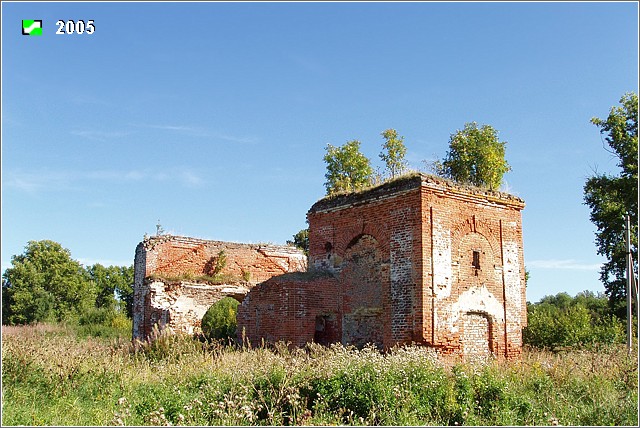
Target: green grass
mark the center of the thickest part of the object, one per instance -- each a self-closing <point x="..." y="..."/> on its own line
<point x="54" y="376"/>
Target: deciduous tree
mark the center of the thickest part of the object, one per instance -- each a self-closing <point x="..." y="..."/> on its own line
<point x="301" y="240"/>
<point x="611" y="197"/>
<point x="393" y="153"/>
<point x="114" y="285"/>
<point x="45" y="284"/>
<point x="348" y="169"/>
<point x="476" y="156"/>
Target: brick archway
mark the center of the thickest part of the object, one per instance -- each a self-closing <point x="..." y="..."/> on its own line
<point x="362" y="320"/>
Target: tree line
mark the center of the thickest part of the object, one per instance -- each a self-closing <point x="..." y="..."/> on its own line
<point x="561" y="321"/>
<point x="44" y="284"/>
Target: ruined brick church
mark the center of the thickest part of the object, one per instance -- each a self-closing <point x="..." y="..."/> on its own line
<point x="416" y="260"/>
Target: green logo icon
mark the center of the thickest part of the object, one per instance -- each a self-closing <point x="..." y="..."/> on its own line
<point x="32" y="27"/>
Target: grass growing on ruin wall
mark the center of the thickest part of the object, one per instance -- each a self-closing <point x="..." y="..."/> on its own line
<point x="51" y="376"/>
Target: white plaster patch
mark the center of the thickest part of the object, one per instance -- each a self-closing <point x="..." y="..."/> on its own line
<point x="512" y="282"/>
<point x="475" y="299"/>
<point x="184" y="304"/>
<point x="442" y="273"/>
<point x="182" y="308"/>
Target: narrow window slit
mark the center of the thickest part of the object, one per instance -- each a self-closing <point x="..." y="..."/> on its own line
<point x="476" y="260"/>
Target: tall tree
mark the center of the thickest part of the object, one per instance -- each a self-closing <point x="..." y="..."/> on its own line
<point x="393" y="152"/>
<point x="348" y="169"/>
<point x="610" y="198"/>
<point x="45" y="284"/>
<point x="476" y="156"/>
<point x="114" y="285"/>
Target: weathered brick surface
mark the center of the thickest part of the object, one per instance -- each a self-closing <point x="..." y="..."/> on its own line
<point x="180" y="305"/>
<point x="298" y="308"/>
<point x="416" y="260"/>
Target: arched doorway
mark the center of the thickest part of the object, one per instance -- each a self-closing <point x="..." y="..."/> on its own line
<point x="220" y="320"/>
<point x="326" y="329"/>
<point x="476" y="335"/>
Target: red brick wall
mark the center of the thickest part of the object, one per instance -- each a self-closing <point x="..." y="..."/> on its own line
<point x="458" y="223"/>
<point x="386" y="282"/>
<point x="181" y="306"/>
<point x="176" y="255"/>
<point x="289" y="307"/>
<point x="405" y="271"/>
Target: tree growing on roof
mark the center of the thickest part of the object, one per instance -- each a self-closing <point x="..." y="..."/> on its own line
<point x="393" y="153"/>
<point x="348" y="169"/>
<point x="476" y="157"/>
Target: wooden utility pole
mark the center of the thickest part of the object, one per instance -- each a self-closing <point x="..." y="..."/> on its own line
<point x="629" y="279"/>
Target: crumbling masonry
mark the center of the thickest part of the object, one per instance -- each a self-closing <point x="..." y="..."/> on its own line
<point x="168" y="287"/>
<point x="416" y="260"/>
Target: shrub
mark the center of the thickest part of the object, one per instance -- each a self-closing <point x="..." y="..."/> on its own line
<point x="562" y="321"/>
<point x="214" y="265"/>
<point x="103" y="322"/>
<point x="219" y="322"/>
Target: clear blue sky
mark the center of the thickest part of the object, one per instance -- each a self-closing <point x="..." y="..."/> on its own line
<point x="214" y="117"/>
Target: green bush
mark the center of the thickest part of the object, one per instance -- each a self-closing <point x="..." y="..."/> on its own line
<point x="219" y="322"/>
<point x="562" y="321"/>
<point x="103" y="322"/>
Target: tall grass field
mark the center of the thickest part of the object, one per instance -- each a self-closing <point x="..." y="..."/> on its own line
<point x="51" y="375"/>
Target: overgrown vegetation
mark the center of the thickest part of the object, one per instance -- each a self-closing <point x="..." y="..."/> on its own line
<point x="347" y="168"/>
<point x="53" y="377"/>
<point x="44" y="284"/>
<point x="301" y="241"/>
<point x="476" y="157"/>
<point x="561" y="321"/>
<point x="215" y="265"/>
<point x="393" y="153"/>
<point x="219" y="322"/>
<point x="221" y="278"/>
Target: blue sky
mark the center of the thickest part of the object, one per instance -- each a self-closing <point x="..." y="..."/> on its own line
<point x="214" y="117"/>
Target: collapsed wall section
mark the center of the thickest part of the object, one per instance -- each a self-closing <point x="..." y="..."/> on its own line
<point x="179" y="256"/>
<point x="178" y="278"/>
<point x="180" y="305"/>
